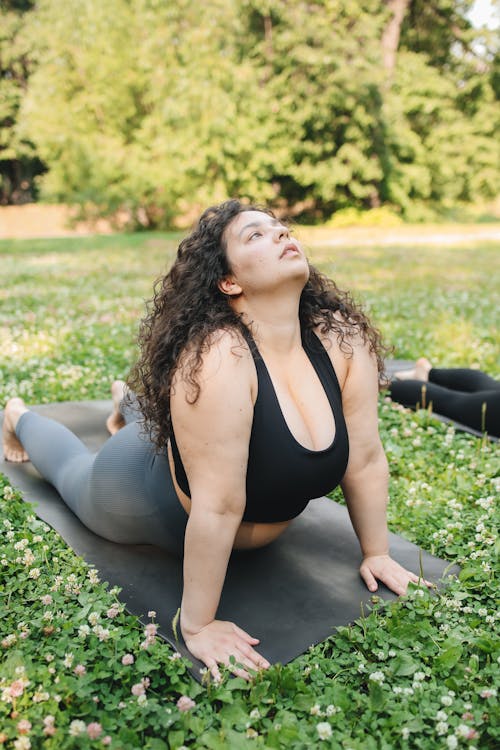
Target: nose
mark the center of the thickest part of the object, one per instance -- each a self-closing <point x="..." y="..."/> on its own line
<point x="281" y="232"/>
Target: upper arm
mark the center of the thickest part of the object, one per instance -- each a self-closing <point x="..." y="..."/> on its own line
<point x="360" y="406"/>
<point x="213" y="434"/>
<point x="358" y="376"/>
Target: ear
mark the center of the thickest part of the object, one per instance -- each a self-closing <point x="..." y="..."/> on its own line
<point x="229" y="286"/>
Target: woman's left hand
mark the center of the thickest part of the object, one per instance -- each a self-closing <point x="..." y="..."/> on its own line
<point x="388" y="572"/>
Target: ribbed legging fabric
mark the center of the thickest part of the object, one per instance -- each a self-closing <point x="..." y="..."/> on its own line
<point x="124" y="493"/>
<point x="457" y="393"/>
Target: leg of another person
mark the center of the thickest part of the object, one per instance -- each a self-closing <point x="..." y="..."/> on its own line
<point x="463" y="379"/>
<point x="465" y="408"/>
<point x="124" y="493"/>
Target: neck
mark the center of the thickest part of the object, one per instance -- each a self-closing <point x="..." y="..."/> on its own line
<point x="273" y="322"/>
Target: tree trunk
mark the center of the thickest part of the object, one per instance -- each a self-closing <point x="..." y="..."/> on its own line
<point x="391" y="34"/>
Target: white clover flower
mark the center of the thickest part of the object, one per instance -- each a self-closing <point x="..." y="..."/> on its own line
<point x="255" y="713"/>
<point x="419" y="676"/>
<point x="9" y="640"/>
<point x="452" y="742"/>
<point x="22" y="743"/>
<point x="103" y="634"/>
<point x="251" y="733"/>
<point x="142" y="699"/>
<point x="68" y="660"/>
<point x="446" y="700"/>
<point x="441" y="716"/>
<point x="441" y="727"/>
<point x="93" y="618"/>
<point x="93" y="576"/>
<point x="330" y="710"/>
<point x="377" y="677"/>
<point x="324" y="730"/>
<point x="315" y="710"/>
<point x="361" y="667"/>
<point x="405" y="733"/>
<point x="77" y="727"/>
<point x="392" y="652"/>
<point x="29" y="557"/>
<point x="34" y="573"/>
<point x="83" y="631"/>
<point x="40" y="696"/>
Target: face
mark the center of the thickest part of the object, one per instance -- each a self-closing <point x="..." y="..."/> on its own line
<point x="262" y="255"/>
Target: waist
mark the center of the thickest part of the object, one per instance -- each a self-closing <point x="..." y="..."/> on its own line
<point x="250" y="534"/>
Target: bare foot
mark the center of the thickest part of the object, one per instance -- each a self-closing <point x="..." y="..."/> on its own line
<point x="12" y="448"/>
<point x="419" y="372"/>
<point x="116" y="421"/>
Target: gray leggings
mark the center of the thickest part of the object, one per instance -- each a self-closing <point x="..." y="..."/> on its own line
<point x="124" y="493"/>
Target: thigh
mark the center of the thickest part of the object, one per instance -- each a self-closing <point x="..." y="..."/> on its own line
<point x="131" y="498"/>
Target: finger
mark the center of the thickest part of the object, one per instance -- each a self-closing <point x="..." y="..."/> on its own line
<point x="236" y="667"/>
<point x="369" y="579"/>
<point x="246" y="636"/>
<point x="257" y="661"/>
<point x="214" y="669"/>
<point x="395" y="584"/>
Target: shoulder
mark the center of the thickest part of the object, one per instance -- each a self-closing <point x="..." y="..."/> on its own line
<point x="349" y="352"/>
<point x="223" y="356"/>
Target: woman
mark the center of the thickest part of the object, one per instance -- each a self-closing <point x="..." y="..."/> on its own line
<point x="257" y="382"/>
<point x="470" y="397"/>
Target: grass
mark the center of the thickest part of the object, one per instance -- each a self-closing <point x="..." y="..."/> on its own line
<point x="419" y="673"/>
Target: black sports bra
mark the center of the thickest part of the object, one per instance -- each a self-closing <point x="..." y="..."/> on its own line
<point x="283" y="475"/>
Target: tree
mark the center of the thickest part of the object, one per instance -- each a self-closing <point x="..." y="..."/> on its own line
<point x="155" y="109"/>
<point x="18" y="161"/>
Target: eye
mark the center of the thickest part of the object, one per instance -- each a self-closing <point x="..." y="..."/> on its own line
<point x="254" y="234"/>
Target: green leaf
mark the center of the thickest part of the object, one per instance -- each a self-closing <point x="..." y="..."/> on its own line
<point x="404" y="665"/>
<point x="377" y="696"/>
<point x="175" y="739"/>
<point x="449" y="657"/>
<point x="156" y="744"/>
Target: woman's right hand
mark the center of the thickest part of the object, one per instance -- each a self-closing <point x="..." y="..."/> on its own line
<point x="218" y="641"/>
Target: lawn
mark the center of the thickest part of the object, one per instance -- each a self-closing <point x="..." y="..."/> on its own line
<point x="79" y="672"/>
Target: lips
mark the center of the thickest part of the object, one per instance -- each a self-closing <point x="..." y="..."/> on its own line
<point x="290" y="249"/>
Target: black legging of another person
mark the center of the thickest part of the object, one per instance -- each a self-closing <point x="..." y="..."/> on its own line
<point x="470" y="397"/>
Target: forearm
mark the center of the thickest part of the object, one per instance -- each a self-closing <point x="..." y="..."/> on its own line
<point x="208" y="543"/>
<point x="366" y="494"/>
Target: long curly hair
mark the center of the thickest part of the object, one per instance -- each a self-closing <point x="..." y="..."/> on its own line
<point x="188" y="308"/>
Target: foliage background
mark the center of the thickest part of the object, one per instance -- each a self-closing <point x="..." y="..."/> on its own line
<point x="153" y="109"/>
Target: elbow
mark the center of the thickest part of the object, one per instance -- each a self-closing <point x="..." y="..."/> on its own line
<point x="229" y="508"/>
<point x="371" y="463"/>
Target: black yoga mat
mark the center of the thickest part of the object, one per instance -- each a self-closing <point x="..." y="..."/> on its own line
<point x="291" y="594"/>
